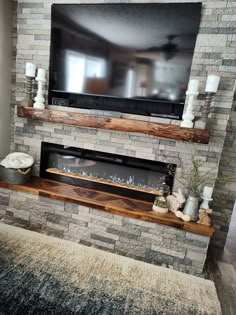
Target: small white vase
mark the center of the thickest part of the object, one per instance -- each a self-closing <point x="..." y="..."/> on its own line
<point x="159" y="209"/>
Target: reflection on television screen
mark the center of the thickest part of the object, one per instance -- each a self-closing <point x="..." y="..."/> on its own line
<point x="140" y="52"/>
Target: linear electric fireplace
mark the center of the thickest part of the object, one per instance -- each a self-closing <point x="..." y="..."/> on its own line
<point x="123" y="175"/>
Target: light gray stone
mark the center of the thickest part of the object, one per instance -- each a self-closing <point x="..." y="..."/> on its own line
<point x="177" y="252"/>
<point x="197" y="237"/>
<point x="198" y="256"/>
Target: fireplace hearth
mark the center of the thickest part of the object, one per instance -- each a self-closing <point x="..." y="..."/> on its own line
<point x="118" y="174"/>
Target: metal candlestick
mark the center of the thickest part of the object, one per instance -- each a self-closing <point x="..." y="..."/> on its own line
<point x="39" y="99"/>
<point x="206" y="109"/>
<point x="28" y="102"/>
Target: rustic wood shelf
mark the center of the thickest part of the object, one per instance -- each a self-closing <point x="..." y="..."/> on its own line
<point x="132" y="208"/>
<point x="119" y="124"/>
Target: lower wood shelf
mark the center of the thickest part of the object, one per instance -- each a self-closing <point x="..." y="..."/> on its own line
<point x="119" y="124"/>
<point x="116" y="204"/>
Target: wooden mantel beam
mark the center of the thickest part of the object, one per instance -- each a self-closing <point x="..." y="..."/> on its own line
<point x="118" y="124"/>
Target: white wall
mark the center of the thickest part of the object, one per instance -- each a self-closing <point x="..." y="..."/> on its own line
<point x="5" y="74"/>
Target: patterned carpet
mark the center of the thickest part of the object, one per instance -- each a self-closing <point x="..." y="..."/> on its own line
<point x="44" y="275"/>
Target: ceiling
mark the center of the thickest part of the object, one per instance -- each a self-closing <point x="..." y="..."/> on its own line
<point x="137" y="26"/>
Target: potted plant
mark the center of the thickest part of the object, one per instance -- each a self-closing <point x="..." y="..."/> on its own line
<point x="160" y="203"/>
<point x="193" y="178"/>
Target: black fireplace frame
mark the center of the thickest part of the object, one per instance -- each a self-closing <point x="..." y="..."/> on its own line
<point x="115" y="159"/>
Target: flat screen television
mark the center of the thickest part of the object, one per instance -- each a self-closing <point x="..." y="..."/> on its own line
<point x="130" y="58"/>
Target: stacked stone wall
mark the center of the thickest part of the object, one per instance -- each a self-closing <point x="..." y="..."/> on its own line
<point x="214" y="53"/>
<point x="146" y="241"/>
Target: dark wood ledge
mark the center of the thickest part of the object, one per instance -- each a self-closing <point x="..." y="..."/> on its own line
<point x="116" y="204"/>
<point x="120" y="124"/>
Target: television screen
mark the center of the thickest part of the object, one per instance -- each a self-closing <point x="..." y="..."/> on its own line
<point x="132" y="58"/>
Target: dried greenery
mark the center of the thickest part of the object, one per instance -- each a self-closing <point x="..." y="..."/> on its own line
<point x="193" y="178"/>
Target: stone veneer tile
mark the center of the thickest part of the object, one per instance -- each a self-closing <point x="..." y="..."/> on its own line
<point x="198" y="256"/>
<point x="201" y="238"/>
<point x="97" y="235"/>
<point x="180" y="253"/>
<point x="98" y="226"/>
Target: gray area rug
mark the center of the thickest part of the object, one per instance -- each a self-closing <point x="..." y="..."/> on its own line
<point x="43" y="275"/>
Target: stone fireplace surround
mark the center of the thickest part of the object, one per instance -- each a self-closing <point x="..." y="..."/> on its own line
<point x="213" y="52"/>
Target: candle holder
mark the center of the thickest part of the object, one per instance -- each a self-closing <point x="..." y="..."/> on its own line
<point x="206" y="110"/>
<point x="211" y="89"/>
<point x="205" y="202"/>
<point x="188" y="115"/>
<point x="28" y="102"/>
<point x="39" y="99"/>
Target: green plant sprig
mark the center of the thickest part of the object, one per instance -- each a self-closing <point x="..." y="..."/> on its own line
<point x="194" y="178"/>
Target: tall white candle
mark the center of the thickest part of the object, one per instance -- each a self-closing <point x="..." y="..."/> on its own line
<point x="30" y="69"/>
<point x="212" y="83"/>
<point x="193" y="86"/>
<point x="207" y="192"/>
<point x="41" y="74"/>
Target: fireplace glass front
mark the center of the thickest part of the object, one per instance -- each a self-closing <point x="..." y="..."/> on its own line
<point x="127" y="176"/>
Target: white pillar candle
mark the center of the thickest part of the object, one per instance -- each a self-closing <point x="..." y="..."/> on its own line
<point x="41" y="74"/>
<point x="212" y="83"/>
<point x="207" y="192"/>
<point x="130" y="81"/>
<point x="193" y="86"/>
<point x="30" y="69"/>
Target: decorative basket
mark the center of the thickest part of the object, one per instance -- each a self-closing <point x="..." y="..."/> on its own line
<point x="15" y="176"/>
